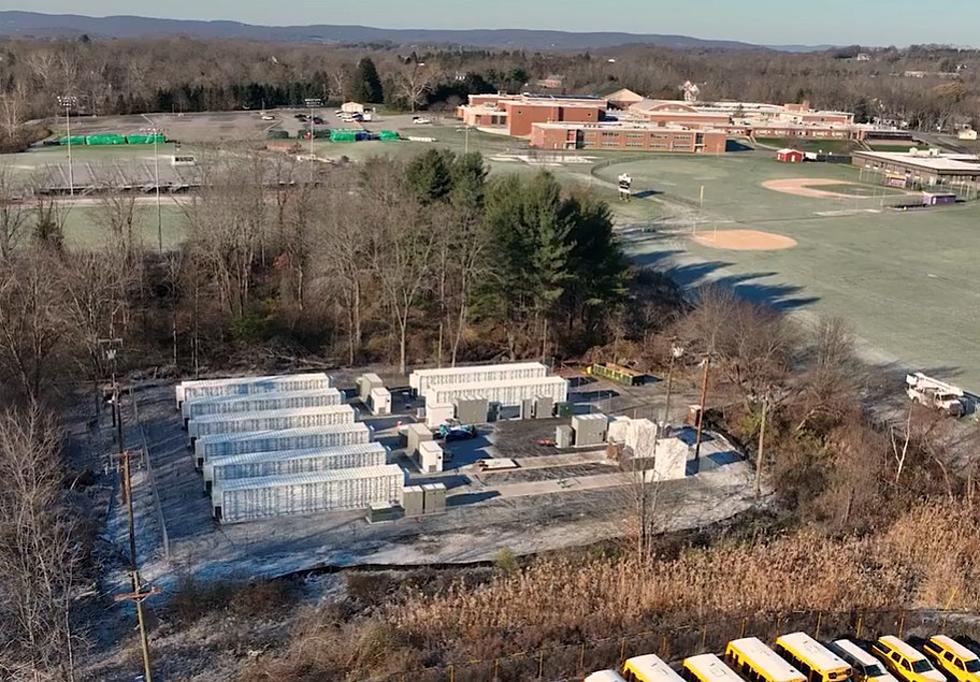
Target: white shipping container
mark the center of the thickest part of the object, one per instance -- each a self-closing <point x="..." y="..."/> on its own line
<point x="507" y="392"/>
<point x="212" y="388"/>
<point x="279" y="400"/>
<point x="421" y="380"/>
<point x="270" y="420"/>
<point x="223" y="445"/>
<point x="259" y="464"/>
<point x="248" y="499"/>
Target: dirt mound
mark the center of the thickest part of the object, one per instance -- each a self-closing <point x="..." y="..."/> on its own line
<point x="744" y="240"/>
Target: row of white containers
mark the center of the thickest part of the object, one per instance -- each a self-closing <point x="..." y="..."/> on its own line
<point x="421" y="380"/>
<point x="207" y="448"/>
<point x="213" y="388"/>
<point x="260" y="402"/>
<point x="507" y="392"/>
<point x="258" y="498"/>
<point x="284" y="462"/>
<point x="269" y="420"/>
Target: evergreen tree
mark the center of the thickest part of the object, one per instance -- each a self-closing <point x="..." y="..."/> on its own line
<point x="430" y="175"/>
<point x="366" y="86"/>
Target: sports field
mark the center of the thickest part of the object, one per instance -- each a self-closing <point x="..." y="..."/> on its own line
<point x="816" y="239"/>
<point x="907" y="281"/>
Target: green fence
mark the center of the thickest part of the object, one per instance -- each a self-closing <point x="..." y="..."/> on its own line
<point x="105" y="139"/>
<point x="146" y="138"/>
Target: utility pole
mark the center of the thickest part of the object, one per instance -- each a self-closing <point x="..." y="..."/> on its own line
<point x="701" y="409"/>
<point x="675" y="353"/>
<point x="138" y="595"/>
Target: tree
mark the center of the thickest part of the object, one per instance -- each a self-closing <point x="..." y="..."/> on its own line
<point x="32" y="321"/>
<point x="413" y="80"/>
<point x="430" y="175"/>
<point x="40" y="550"/>
<point x="366" y="85"/>
<point x="402" y="244"/>
<point x="13" y="215"/>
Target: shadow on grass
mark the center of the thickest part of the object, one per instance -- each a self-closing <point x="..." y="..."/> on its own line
<point x="785" y="297"/>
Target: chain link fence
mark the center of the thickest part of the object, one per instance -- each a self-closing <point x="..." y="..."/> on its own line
<point x="574" y="661"/>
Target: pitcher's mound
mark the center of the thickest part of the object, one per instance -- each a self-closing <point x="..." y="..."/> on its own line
<point x="744" y="240"/>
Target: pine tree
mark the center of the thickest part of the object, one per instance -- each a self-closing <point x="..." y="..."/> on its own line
<point x="366" y="86"/>
<point x="430" y="175"/>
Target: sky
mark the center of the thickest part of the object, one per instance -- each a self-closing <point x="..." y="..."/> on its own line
<point x="838" y="22"/>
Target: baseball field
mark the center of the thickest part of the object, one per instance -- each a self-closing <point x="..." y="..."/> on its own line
<point x="819" y="239"/>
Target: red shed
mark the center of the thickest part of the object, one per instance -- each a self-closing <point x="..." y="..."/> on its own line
<point x="789" y="156"/>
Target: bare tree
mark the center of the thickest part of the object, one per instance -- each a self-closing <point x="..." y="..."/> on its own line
<point x="342" y="254"/>
<point x="402" y="245"/>
<point x="413" y="80"/>
<point x="32" y="321"/>
<point x="13" y="214"/>
<point x="40" y="552"/>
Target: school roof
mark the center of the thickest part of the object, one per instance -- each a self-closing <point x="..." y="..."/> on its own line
<point x="812" y="651"/>
<point x="964" y="163"/>
<point x="711" y="668"/>
<point x="766" y="660"/>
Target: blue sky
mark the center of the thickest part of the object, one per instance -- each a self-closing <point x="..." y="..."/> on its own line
<point x="869" y="22"/>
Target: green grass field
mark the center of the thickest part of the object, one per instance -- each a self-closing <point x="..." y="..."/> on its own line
<point x="906" y="281"/>
<point x="828" y="146"/>
<point x="84" y="228"/>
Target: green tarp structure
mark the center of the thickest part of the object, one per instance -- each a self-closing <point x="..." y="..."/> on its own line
<point x="388" y="136"/>
<point x="105" y="139"/>
<point x="277" y="135"/>
<point x="343" y="136"/>
<point x="142" y="138"/>
<point x="73" y="139"/>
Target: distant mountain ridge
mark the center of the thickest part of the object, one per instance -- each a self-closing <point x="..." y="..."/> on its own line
<point x="36" y="24"/>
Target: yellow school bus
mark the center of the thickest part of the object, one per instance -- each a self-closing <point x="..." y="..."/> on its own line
<point x="649" y="668"/>
<point x="758" y="663"/>
<point x="904" y="661"/>
<point x="707" y="668"/>
<point x="812" y="658"/>
<point x="953" y="658"/>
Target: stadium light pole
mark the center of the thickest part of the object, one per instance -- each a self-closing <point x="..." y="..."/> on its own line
<point x="68" y="101"/>
<point x="311" y="103"/>
<point x="155" y="132"/>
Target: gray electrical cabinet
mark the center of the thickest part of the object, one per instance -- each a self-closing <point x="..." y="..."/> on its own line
<point x="472" y="410"/>
<point x="544" y="408"/>
<point x="590" y="429"/>
<point x="563" y="436"/>
<point x="413" y="500"/>
<point x="434" y="498"/>
<point x="527" y="409"/>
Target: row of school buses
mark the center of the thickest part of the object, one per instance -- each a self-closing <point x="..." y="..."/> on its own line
<point x="797" y="657"/>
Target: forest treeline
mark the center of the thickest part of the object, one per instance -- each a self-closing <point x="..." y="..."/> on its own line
<point x="398" y="261"/>
<point x="180" y="74"/>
